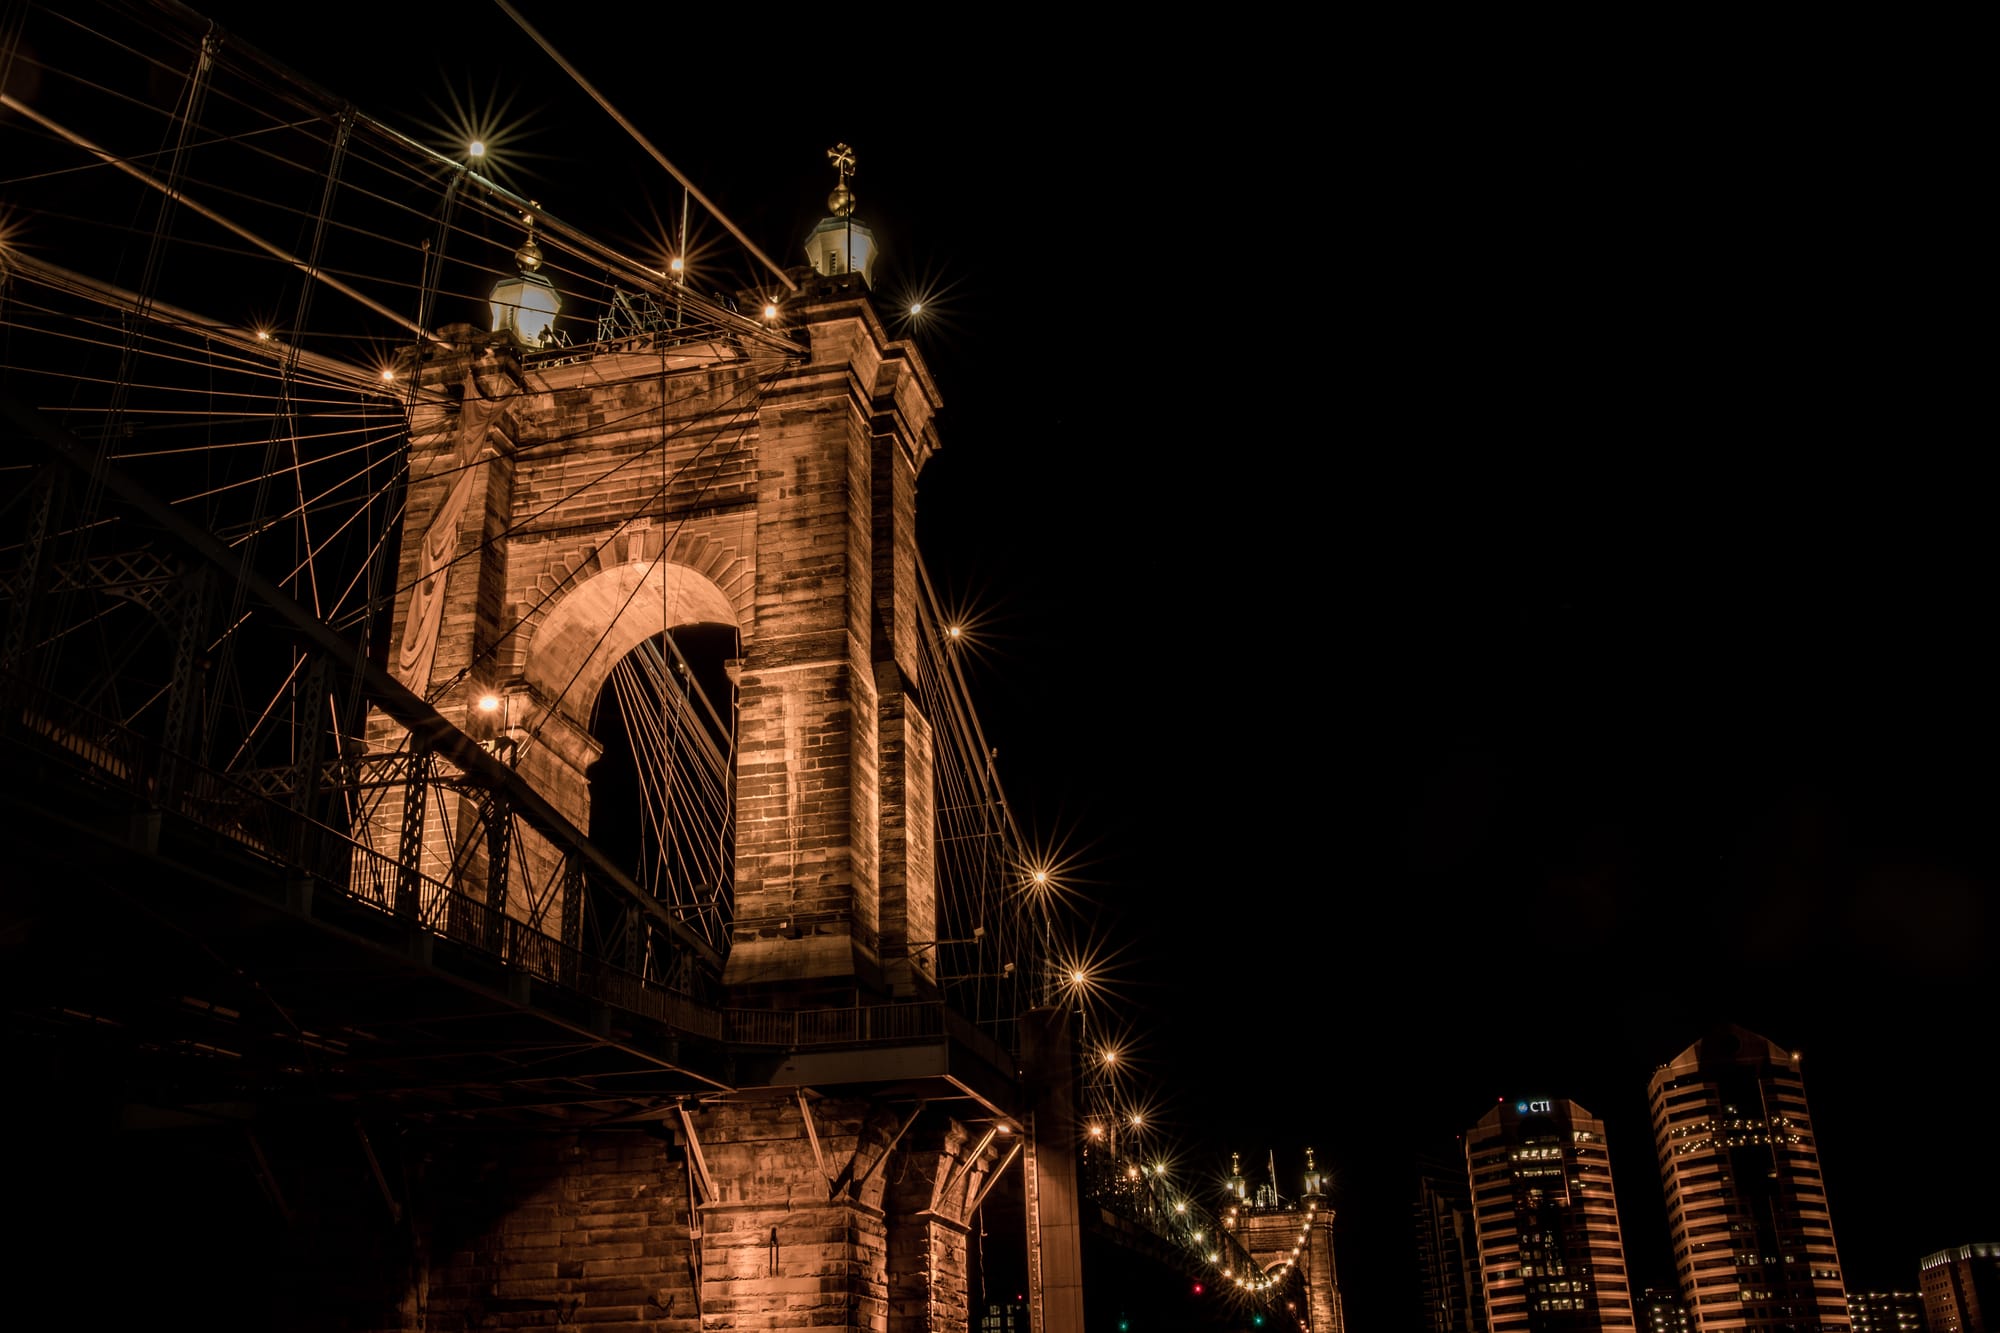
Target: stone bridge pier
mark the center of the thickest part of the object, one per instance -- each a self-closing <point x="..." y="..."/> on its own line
<point x="782" y="1210"/>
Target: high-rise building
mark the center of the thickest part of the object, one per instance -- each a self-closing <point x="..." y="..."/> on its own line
<point x="1746" y="1207"/>
<point x="1663" y="1312"/>
<point x="1550" y="1256"/>
<point x="1886" y="1311"/>
<point x="1447" y="1251"/>
<point x="1961" y="1289"/>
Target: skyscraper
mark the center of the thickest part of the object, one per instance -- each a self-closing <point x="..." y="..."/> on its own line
<point x="1550" y="1255"/>
<point x="1447" y="1253"/>
<point x="1961" y="1289"/>
<point x="1662" y="1311"/>
<point x="1746" y="1208"/>
<point x="1886" y="1311"/>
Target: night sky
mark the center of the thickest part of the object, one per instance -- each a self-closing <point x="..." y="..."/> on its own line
<point x="1481" y="541"/>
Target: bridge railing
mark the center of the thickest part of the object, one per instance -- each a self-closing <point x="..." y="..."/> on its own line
<point x="1138" y="1195"/>
<point x="135" y="775"/>
<point x="102" y="753"/>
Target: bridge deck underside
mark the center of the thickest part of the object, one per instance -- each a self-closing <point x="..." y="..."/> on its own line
<point x="154" y="962"/>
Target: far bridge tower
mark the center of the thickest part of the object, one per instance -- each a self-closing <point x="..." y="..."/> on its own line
<point x="1286" y="1236"/>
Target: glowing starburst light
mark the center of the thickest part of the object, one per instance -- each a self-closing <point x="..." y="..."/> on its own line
<point x="482" y="132"/>
<point x="10" y="239"/>
<point x="924" y="305"/>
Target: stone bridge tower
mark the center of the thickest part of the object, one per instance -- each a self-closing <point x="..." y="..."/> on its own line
<point x="563" y="511"/>
<point x="565" y="507"/>
<point x="1281" y="1236"/>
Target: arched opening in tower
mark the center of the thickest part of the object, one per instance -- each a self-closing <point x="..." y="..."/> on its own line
<point x="662" y="794"/>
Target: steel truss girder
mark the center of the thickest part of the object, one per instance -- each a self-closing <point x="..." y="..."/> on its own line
<point x="428" y="729"/>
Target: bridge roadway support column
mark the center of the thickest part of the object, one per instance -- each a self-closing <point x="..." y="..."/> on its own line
<point x="737" y="1219"/>
<point x="835" y="888"/>
<point x="1055" y="1230"/>
<point x="858" y="1224"/>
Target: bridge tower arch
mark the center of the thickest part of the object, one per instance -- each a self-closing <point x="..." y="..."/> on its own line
<point x="1295" y="1237"/>
<point x="562" y="509"/>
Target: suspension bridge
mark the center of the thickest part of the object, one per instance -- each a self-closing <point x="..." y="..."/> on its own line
<point x="488" y="761"/>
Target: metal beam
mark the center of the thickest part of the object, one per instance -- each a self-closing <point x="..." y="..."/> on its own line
<point x="993" y="1178"/>
<point x="427" y="727"/>
<point x="855" y="1188"/>
<point x="812" y="1136"/>
<point x="965" y="1163"/>
<point x="700" y="1172"/>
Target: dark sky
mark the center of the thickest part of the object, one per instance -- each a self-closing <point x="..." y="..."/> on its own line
<point x="1484" y="536"/>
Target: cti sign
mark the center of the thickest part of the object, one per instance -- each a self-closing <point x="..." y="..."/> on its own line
<point x="1531" y="1108"/>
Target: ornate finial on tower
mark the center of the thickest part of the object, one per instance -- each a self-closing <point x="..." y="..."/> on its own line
<point x="1309" y="1159"/>
<point x="529" y="256"/>
<point x="525" y="305"/>
<point x="839" y="244"/>
<point x="841" y="202"/>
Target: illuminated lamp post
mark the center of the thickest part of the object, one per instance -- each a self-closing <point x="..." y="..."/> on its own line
<point x="525" y="305"/>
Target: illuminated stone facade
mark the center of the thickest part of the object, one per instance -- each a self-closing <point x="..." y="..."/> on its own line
<point x="1297" y="1236"/>
<point x="1550" y="1253"/>
<point x="1747" y="1215"/>
<point x="730" y="1223"/>
<point x="563" y="510"/>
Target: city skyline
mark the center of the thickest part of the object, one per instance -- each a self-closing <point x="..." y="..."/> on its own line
<point x="1555" y="558"/>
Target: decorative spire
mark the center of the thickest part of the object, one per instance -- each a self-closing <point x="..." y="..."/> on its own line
<point x="839" y="244"/>
<point x="841" y="202"/>
<point x="525" y="305"/>
<point x="529" y="256"/>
